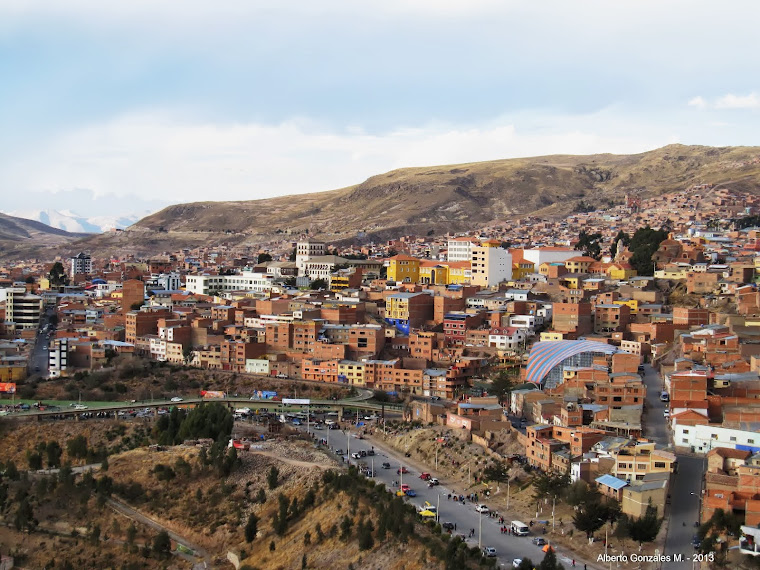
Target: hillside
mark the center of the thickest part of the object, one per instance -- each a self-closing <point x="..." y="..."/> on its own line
<point x="435" y="200"/>
<point x="22" y="235"/>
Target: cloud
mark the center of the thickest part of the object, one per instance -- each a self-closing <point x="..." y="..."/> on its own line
<point x="698" y="102"/>
<point x="158" y="156"/>
<point x="731" y="101"/>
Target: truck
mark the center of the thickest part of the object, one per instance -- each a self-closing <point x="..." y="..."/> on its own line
<point x="520" y="528"/>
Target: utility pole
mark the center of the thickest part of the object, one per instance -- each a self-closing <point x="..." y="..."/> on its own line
<point x="507" y="493"/>
<point x="554" y="500"/>
<point x="480" y="530"/>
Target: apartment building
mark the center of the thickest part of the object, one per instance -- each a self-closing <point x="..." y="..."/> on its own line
<point x="491" y="264"/>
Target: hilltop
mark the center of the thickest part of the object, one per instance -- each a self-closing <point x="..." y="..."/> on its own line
<point x="22" y="235"/>
<point x="438" y="199"/>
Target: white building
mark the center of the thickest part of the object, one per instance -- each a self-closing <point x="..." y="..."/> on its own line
<point x="490" y="265"/>
<point x="703" y="438"/>
<point x="305" y="250"/>
<point x="165" y="281"/>
<point x="549" y="255"/>
<point x="460" y="248"/>
<point x="507" y="338"/>
<point x="257" y="366"/>
<point x="58" y="357"/>
<point x="213" y="284"/>
<point x="22" y="308"/>
<point x="81" y="263"/>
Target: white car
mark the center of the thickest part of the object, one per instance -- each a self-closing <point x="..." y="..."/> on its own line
<point x="176" y="399"/>
<point x="666" y="413"/>
<point x="481" y="509"/>
<point x="80" y="407"/>
<point x="516" y="562"/>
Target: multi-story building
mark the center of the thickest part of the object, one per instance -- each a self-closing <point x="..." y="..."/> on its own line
<point x="634" y="461"/>
<point x="404" y="269"/>
<point x="142" y="323"/>
<point x="22" y="308"/>
<point x="460" y="248"/>
<point x="408" y="310"/>
<point x="80" y="264"/>
<point x="132" y="295"/>
<point x="491" y="264"/>
<point x="305" y="250"/>
<point x="205" y="284"/>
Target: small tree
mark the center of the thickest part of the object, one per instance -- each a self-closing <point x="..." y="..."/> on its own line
<point x="251" y="527"/>
<point x="273" y="477"/>
<point x="162" y="545"/>
<point x="34" y="460"/>
<point x="550" y="561"/>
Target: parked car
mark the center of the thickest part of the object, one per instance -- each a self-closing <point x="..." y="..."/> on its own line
<point x="447" y="525"/>
<point x="539" y="541"/>
<point x="338" y="452"/>
<point x="403" y="470"/>
<point x="176" y="399"/>
<point x="411" y="493"/>
<point x="355" y="455"/>
<point x="481" y="509"/>
<point x="489" y="551"/>
<point x="424" y="476"/>
<point x="695" y="542"/>
<point x="432" y="482"/>
<point x="386" y="465"/>
<point x="516" y="562"/>
<point x="370" y="452"/>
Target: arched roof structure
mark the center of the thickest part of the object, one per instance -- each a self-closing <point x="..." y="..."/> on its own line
<point x="545" y="355"/>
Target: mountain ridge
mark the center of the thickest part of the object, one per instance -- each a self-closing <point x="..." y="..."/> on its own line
<point x="432" y="200"/>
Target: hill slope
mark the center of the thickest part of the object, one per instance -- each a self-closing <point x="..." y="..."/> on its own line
<point x="444" y="198"/>
<point x="22" y="235"/>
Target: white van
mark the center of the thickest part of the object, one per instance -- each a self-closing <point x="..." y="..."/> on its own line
<point x="520" y="528"/>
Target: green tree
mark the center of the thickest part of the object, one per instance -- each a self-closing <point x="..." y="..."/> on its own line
<point x="54" y="452"/>
<point x="251" y="527"/>
<point x="162" y="545"/>
<point x="620" y="237"/>
<point x="646" y="528"/>
<point x="526" y="564"/>
<point x="263" y="258"/>
<point x="502" y="385"/>
<point x="590" y="244"/>
<point x="550" y="561"/>
<point x="496" y="471"/>
<point x="365" y="535"/>
<point x="24" y="517"/>
<point x="591" y="517"/>
<point x="34" y="459"/>
<point x="273" y="477"/>
<point x="57" y="274"/>
<point x="318" y="284"/>
<point x="644" y="244"/>
<point x="11" y="471"/>
<point x="77" y="447"/>
<point x="131" y="534"/>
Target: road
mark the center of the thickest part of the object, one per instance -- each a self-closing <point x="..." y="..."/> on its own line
<point x="463" y="515"/>
<point x="686" y="486"/>
<point x="655" y="426"/>
<point x="684" y="509"/>
<point x="39" y="359"/>
<point x="135" y="515"/>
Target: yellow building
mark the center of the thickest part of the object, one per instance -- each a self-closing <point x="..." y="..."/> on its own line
<point x="621" y="271"/>
<point x="551" y="335"/>
<point x="579" y="264"/>
<point x="12" y="372"/>
<point x="633" y="304"/>
<point x="572" y="281"/>
<point x="433" y="273"/>
<point x="404" y="269"/>
<point x="459" y="272"/>
<point x="522" y="269"/>
<point x="352" y="372"/>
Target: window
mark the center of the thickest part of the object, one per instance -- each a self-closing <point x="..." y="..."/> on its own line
<point x="685" y="440"/>
<point x="659" y="464"/>
<point x="732" y="438"/>
<point x="685" y="432"/>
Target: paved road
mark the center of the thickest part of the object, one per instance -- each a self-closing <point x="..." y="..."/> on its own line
<point x="655" y="426"/>
<point x="684" y="509"/>
<point x="40" y="353"/>
<point x="133" y="514"/>
<point x="464" y="515"/>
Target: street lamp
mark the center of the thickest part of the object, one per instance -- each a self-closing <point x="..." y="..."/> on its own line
<point x="480" y="530"/>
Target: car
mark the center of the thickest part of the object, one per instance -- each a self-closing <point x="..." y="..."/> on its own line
<point x="355" y="455"/>
<point x="489" y="551"/>
<point x="411" y="493"/>
<point x="403" y="470"/>
<point x="447" y="525"/>
<point x="695" y="542"/>
<point x="80" y="407"/>
<point x="481" y="509"/>
<point x="425" y="476"/>
<point x="539" y="541"/>
<point x="338" y="452"/>
<point x="516" y="562"/>
<point x="432" y="482"/>
<point x="370" y="452"/>
<point x="386" y="465"/>
<point x="405" y="487"/>
<point x="666" y="413"/>
<point x="176" y="399"/>
<point x="363" y="453"/>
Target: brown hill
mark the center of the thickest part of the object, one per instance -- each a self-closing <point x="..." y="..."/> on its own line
<point x="29" y="236"/>
<point x="439" y="199"/>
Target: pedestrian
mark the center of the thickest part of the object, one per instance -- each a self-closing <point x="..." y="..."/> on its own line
<point x="455" y="526"/>
<point x="573" y="562"/>
<point x="584" y="566"/>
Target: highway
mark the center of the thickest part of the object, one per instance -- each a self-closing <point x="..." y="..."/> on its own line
<point x="487" y="529"/>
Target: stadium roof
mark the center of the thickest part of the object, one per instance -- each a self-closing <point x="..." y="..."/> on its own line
<point x="545" y="355"/>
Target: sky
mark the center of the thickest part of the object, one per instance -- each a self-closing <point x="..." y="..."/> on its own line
<point x="140" y="104"/>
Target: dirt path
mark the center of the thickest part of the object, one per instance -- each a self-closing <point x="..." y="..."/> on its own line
<point x="295" y="462"/>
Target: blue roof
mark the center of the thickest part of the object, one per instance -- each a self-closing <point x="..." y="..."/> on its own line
<point x="611" y="482"/>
